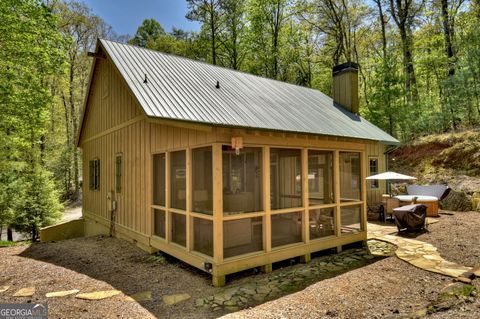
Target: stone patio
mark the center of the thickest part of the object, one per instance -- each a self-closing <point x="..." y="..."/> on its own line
<point x="418" y="253"/>
<point x="291" y="279"/>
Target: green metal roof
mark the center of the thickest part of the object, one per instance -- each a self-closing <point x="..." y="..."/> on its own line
<point x="178" y="88"/>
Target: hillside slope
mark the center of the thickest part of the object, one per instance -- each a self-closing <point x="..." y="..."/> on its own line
<point x="450" y="158"/>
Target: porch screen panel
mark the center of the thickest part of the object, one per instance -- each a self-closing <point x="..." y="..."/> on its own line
<point x="179" y="229"/>
<point x="320" y="177"/>
<point x="159" y="179"/>
<point x="242" y="236"/>
<point x="351" y="219"/>
<point x="242" y="180"/>
<point x="159" y="223"/>
<point x="350" y="182"/>
<point x="322" y="222"/>
<point x="285" y="178"/>
<point x="202" y="180"/>
<point x="178" y="175"/>
<point x="286" y="229"/>
<point x="203" y="236"/>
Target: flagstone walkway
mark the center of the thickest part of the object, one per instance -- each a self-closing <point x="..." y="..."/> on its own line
<point x="418" y="253"/>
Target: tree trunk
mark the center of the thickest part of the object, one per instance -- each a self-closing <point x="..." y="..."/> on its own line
<point x="447" y="32"/>
<point x="449" y="52"/>
<point x="410" y="80"/>
<point x="73" y="118"/>
<point x="382" y="25"/>
<point x="213" y="33"/>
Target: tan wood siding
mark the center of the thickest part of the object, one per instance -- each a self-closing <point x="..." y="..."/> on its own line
<point x="109" y="103"/>
<point x="132" y="200"/>
<point x="375" y="150"/>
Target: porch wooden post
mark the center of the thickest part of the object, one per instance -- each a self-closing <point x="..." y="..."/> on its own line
<point x="188" y="199"/>
<point x="267" y="224"/>
<point x="218" y="279"/>
<point x="306" y="222"/>
<point x="363" y="190"/>
<point x="336" y="178"/>
<point x="167" y="198"/>
<point x="148" y="181"/>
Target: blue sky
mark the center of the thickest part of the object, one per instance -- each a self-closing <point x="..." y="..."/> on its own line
<point x="126" y="15"/>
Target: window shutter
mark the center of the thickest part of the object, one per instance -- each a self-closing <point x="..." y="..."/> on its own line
<point x="97" y="175"/>
<point x="91" y="181"/>
<point x="118" y="174"/>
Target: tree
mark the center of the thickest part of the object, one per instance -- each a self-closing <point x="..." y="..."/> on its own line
<point x="404" y="13"/>
<point x="233" y="35"/>
<point x="81" y="29"/>
<point x="38" y="205"/>
<point x="209" y="13"/>
<point x="449" y="10"/>
<point x="149" y="30"/>
<point x="32" y="53"/>
<point x="267" y="33"/>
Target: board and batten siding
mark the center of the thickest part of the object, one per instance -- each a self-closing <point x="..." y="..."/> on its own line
<point x="114" y="124"/>
<point x="109" y="102"/>
<point x="376" y="150"/>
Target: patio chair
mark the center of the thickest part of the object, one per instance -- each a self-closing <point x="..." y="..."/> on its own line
<point x="389" y="204"/>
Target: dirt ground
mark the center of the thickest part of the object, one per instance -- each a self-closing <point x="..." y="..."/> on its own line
<point x="388" y="288"/>
<point x="93" y="264"/>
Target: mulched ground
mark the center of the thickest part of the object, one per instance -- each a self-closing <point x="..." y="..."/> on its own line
<point x="389" y="288"/>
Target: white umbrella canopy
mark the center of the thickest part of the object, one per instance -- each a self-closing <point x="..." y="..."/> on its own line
<point x="391" y="176"/>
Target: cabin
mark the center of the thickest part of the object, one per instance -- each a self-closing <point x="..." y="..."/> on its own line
<point x="221" y="169"/>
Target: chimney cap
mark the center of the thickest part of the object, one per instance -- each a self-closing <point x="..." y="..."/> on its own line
<point x="347" y="66"/>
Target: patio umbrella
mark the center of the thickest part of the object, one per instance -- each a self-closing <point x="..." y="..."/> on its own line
<point x="390" y="176"/>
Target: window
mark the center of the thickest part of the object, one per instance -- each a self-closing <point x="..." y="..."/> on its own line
<point x="118" y="173"/>
<point x="285" y="178"/>
<point x="350" y="182"/>
<point x="159" y="179"/>
<point x="94" y="174"/>
<point x="373" y="166"/>
<point x="320" y="177"/>
<point x="242" y="180"/>
<point x="178" y="194"/>
<point x="202" y="180"/>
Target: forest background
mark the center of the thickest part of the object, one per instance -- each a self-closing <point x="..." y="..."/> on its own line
<point x="419" y="72"/>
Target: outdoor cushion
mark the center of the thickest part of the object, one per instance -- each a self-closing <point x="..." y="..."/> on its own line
<point x="438" y="191"/>
<point x="421" y="198"/>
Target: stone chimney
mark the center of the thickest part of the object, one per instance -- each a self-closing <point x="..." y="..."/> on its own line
<point x="345" y="86"/>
